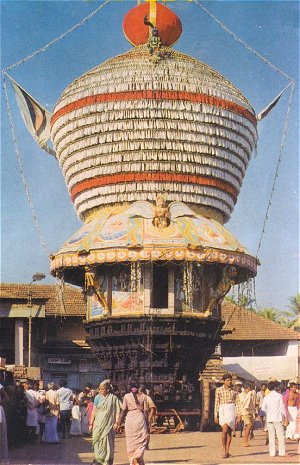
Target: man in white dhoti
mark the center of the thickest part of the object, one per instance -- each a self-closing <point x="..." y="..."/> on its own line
<point x="225" y="412"/>
<point x="292" y="402"/>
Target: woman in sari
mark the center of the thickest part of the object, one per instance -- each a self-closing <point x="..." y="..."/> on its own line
<point x="137" y="431"/>
<point x="52" y="414"/>
<point x="86" y="407"/>
<point x="103" y="423"/>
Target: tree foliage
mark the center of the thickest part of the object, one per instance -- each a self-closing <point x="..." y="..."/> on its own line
<point x="288" y="318"/>
<point x="270" y="313"/>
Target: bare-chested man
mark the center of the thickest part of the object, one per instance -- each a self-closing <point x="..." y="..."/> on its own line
<point x="291" y="400"/>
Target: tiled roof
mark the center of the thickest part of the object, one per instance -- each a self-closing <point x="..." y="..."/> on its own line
<point x="214" y="371"/>
<point x="244" y="324"/>
<point x="70" y="302"/>
<point x="248" y="325"/>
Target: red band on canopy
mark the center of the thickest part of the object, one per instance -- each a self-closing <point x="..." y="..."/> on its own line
<point x="155" y="95"/>
<point x="148" y="177"/>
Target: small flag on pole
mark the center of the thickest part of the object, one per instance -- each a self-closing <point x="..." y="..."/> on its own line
<point x="271" y="105"/>
<point x="35" y="116"/>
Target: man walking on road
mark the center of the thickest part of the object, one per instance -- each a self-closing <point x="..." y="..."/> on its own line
<point x="225" y="412"/>
<point x="247" y="412"/>
<point x="66" y="397"/>
<point x="274" y="409"/>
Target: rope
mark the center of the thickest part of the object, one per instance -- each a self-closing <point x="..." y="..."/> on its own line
<point x="57" y="39"/>
<point x="254" y="292"/>
<point x="292" y="83"/>
<point x="242" y="42"/>
<point x="19" y="160"/>
<point x="277" y="167"/>
<point x="14" y="138"/>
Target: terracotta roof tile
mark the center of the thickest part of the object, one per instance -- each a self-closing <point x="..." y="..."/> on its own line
<point x="244" y="324"/>
<point x="248" y="325"/>
<point x="71" y="302"/>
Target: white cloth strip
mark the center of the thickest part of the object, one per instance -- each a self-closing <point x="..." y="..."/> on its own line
<point x="132" y="190"/>
<point x="205" y="156"/>
<point x="108" y="163"/>
<point x="206" y="134"/>
<point x="90" y="203"/>
<point x="228" y="129"/>
<point x="133" y="110"/>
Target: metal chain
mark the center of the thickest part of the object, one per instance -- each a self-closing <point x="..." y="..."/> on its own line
<point x="19" y="160"/>
<point x="238" y="39"/>
<point x="277" y="167"/>
<point x="57" y="39"/>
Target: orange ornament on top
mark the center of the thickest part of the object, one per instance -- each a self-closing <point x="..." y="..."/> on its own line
<point x="168" y="24"/>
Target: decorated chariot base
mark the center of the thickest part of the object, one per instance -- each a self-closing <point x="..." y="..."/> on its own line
<point x="154" y="277"/>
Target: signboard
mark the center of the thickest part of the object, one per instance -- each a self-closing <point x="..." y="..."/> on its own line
<point x="262" y="372"/>
<point x="59" y="361"/>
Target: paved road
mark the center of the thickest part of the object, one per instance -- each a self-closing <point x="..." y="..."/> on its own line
<point x="183" y="448"/>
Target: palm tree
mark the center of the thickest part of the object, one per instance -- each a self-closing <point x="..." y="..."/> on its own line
<point x="293" y="314"/>
<point x="270" y="313"/>
<point x="295" y="305"/>
<point x="242" y="301"/>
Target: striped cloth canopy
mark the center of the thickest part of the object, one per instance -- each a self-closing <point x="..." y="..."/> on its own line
<point x="134" y="127"/>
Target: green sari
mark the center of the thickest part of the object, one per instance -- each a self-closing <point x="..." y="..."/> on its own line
<point x="103" y="434"/>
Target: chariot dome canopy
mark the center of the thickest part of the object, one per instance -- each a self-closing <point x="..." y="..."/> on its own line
<point x="153" y="120"/>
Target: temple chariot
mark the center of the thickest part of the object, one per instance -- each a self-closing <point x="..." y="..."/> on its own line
<point x="154" y="145"/>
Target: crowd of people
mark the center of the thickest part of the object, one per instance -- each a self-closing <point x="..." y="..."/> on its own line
<point x="237" y="406"/>
<point x="58" y="412"/>
<point x="29" y="411"/>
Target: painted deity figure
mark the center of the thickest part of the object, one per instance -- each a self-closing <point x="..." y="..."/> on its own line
<point x="124" y="281"/>
<point x="154" y="42"/>
<point x="93" y="286"/>
<point x="224" y="286"/>
<point x="161" y="213"/>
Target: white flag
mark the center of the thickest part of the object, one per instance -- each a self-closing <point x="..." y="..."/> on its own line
<point x="35" y="116"/>
<point x="271" y="105"/>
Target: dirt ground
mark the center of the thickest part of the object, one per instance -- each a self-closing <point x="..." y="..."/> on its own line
<point x="165" y="449"/>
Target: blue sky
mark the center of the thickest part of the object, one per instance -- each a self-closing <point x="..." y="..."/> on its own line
<point x="272" y="28"/>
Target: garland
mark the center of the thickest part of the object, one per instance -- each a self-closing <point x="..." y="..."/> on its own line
<point x="188" y="285"/>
